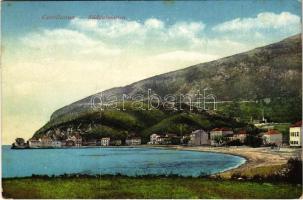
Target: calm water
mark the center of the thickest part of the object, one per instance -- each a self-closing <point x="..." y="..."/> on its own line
<point x="127" y="161"/>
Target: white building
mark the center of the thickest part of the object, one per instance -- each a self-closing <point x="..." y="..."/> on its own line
<point x="78" y="141"/>
<point x="295" y="134"/>
<point x="219" y="132"/>
<point x="272" y="137"/>
<point x="133" y="141"/>
<point x="241" y="135"/>
<point x="199" y="137"/>
<point x="46" y="141"/>
<point x="163" y="140"/>
<point x="154" y="139"/>
<point x="105" y="141"/>
<point x="34" y="143"/>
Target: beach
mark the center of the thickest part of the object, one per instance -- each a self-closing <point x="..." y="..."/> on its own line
<point x="256" y="158"/>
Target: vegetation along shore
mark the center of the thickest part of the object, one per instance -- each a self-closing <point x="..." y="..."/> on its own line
<point x="145" y="187"/>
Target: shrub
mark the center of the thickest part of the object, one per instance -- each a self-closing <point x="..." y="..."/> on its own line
<point x="253" y="141"/>
<point x="236" y="142"/>
<point x="294" y="173"/>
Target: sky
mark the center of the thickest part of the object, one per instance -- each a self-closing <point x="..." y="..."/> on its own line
<point x="54" y="53"/>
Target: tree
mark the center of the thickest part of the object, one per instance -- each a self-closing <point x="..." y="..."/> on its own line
<point x="236" y="142"/>
<point x="175" y="140"/>
<point x="20" y="141"/>
<point x="185" y="140"/>
<point x="233" y="110"/>
<point x="219" y="139"/>
<point x="294" y="173"/>
<point x="253" y="141"/>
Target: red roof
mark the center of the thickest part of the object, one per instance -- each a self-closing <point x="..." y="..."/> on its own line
<point x="272" y="132"/>
<point x="221" y="129"/>
<point x="241" y="132"/>
<point x="297" y="124"/>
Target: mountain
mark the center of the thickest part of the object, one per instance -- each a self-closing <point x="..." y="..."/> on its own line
<point x="272" y="72"/>
<point x="119" y="124"/>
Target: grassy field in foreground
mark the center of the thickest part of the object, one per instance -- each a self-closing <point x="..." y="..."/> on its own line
<point x="125" y="187"/>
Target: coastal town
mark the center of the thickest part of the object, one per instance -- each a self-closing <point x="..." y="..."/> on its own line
<point x="216" y="137"/>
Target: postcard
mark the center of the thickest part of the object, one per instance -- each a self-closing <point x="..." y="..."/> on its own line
<point x="151" y="99"/>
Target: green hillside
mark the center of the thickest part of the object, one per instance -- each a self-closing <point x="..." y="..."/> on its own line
<point x="120" y="124"/>
<point x="265" y="82"/>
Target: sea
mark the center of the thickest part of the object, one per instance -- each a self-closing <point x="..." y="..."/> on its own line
<point x="129" y="161"/>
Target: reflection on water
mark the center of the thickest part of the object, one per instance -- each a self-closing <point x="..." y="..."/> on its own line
<point x="126" y="161"/>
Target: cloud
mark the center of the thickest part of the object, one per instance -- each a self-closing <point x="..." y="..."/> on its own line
<point x="154" y="23"/>
<point x="284" y="21"/>
<point x="53" y="67"/>
<point x="186" y="56"/>
<point x="65" y="41"/>
<point x="111" y="39"/>
<point x="152" y="32"/>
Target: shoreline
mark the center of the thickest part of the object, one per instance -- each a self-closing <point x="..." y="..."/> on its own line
<point x="261" y="157"/>
<point x="255" y="158"/>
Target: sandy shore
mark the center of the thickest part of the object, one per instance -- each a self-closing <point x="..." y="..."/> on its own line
<point x="256" y="157"/>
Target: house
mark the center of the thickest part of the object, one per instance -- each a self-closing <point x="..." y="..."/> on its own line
<point x="105" y="141"/>
<point x="153" y="138"/>
<point x="115" y="142"/>
<point x="90" y="142"/>
<point x="34" y="143"/>
<point x="168" y="138"/>
<point x="295" y="134"/>
<point x="163" y="140"/>
<point x="272" y="137"/>
<point x="70" y="141"/>
<point x="133" y="141"/>
<point x="218" y="133"/>
<point x="46" y="141"/>
<point x="199" y="137"/>
<point x="240" y="135"/>
<point x="229" y="137"/>
<point x="78" y="140"/>
<point x="56" y="144"/>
